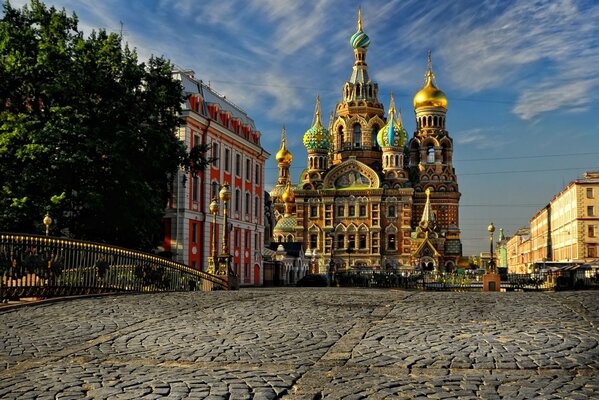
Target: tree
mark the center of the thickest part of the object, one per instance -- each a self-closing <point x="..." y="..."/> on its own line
<point x="87" y="133"/>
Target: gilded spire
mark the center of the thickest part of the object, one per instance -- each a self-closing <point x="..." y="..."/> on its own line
<point x="392" y="107"/>
<point x="317" y="112"/>
<point x="430" y="95"/>
<point x="359" y="18"/>
<point x="283" y="155"/>
<point x="428" y="217"/>
<point x="429" y="70"/>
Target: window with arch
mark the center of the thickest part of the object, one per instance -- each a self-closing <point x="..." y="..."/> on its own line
<point x="256" y="206"/>
<point x="340" y="242"/>
<point x="430" y="154"/>
<point x="247" y="204"/>
<point x="214" y="191"/>
<point x="391" y="213"/>
<point x="357" y="135"/>
<point x="313" y="241"/>
<point x="391" y="245"/>
<point x="362" y="244"/>
<point x="340" y="138"/>
<point x="237" y="200"/>
<point x="313" y="211"/>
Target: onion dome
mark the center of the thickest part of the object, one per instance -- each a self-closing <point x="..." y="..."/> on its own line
<point x="317" y="137"/>
<point x="430" y="95"/>
<point x="393" y="133"/>
<point x="359" y="39"/>
<point x="284" y="156"/>
<point x="288" y="196"/>
<point x="286" y="224"/>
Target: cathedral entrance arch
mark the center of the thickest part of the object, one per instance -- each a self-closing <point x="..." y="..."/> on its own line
<point x="427" y="264"/>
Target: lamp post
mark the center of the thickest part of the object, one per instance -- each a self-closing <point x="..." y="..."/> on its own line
<point x="491" y="229"/>
<point x="47" y="222"/>
<point x="314" y="267"/>
<point x="214" y="208"/>
<point x="224" y="267"/>
<point x="331" y="262"/>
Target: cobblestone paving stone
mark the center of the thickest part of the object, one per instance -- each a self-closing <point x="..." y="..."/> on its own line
<point x="304" y="344"/>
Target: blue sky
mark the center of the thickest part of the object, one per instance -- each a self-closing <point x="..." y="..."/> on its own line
<point x="521" y="77"/>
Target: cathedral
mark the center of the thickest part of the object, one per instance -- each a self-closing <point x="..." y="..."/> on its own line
<point x="370" y="196"/>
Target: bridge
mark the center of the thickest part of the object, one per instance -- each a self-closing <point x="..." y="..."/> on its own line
<point x="38" y="266"/>
<point x="304" y="343"/>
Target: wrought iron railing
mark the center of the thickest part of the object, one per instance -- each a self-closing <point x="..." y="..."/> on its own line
<point x="561" y="280"/>
<point x="37" y="266"/>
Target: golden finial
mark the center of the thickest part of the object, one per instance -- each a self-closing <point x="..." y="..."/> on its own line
<point x="359" y="18"/>
<point x="428" y="193"/>
<point x="392" y="106"/>
<point x="284" y="138"/>
<point x="429" y="70"/>
<point x="317" y="111"/>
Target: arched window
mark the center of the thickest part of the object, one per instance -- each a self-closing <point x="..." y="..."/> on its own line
<point x="375" y="132"/>
<point x="247" y="204"/>
<point x="340" y="138"/>
<point x="430" y="154"/>
<point x="357" y="135"/>
<point x="237" y="200"/>
<point x="435" y="121"/>
<point x="214" y="191"/>
<point x="391" y="241"/>
<point x="430" y="121"/>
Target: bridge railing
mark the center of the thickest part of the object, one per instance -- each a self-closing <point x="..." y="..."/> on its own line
<point x="38" y="266"/>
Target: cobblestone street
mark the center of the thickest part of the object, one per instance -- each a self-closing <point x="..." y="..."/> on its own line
<point x="304" y="343"/>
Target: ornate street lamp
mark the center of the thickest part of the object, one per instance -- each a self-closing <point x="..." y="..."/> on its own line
<point x="224" y="265"/>
<point x="225" y="196"/>
<point x="214" y="208"/>
<point x="47" y="222"/>
<point x="331" y="261"/>
<point x="491" y="229"/>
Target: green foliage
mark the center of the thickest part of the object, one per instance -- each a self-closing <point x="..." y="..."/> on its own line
<point x="87" y="133"/>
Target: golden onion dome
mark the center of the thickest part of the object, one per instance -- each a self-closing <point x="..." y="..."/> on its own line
<point x="288" y="196"/>
<point x="430" y="95"/>
<point x="284" y="156"/>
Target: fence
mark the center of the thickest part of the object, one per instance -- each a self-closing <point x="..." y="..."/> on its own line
<point x="37" y="266"/>
<point x="561" y="280"/>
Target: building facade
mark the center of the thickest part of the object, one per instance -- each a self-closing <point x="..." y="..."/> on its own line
<point x="370" y="195"/>
<point x="238" y="159"/>
<point x="567" y="229"/>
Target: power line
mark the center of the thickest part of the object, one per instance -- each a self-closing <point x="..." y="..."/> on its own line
<point x="522" y="171"/>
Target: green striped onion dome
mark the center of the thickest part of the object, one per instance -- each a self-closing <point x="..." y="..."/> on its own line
<point x="359" y="39"/>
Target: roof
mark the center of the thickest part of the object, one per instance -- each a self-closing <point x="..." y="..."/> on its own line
<point x="192" y="85"/>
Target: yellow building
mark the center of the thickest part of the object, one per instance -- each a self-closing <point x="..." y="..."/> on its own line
<point x="567" y="229"/>
<point x="370" y="196"/>
<point x="519" y="252"/>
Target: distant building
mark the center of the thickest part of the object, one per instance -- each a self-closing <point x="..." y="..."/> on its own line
<point x="518" y="252"/>
<point x="370" y="196"/>
<point x="567" y="229"/>
<point x="238" y="160"/>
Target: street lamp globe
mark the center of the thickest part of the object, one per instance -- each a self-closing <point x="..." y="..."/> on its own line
<point x="225" y="192"/>
<point x="491" y="228"/>
<point x="214" y="206"/>
<point x="47" y="222"/>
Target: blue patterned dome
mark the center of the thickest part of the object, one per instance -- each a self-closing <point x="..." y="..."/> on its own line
<point x="393" y="133"/>
<point x="317" y="137"/>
